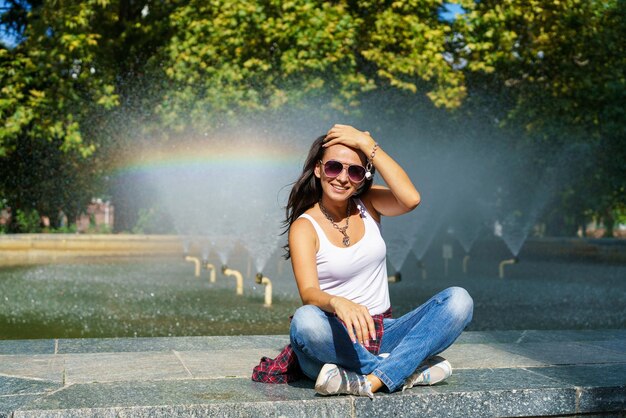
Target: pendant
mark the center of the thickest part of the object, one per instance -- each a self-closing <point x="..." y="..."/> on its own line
<point x="346" y="241"/>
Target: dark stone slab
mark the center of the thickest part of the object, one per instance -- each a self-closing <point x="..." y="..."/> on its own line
<point x="602" y="399"/>
<point x="600" y="387"/>
<point x="485" y="356"/>
<point x="509" y="403"/>
<point x="595" y="375"/>
<point x="503" y="373"/>
<point x="223" y="363"/>
<point x="563" y="353"/>
<point x="493" y="380"/>
<point x="27" y="346"/>
<point x="573" y="335"/>
<point x="529" y="336"/>
<point x="618" y="345"/>
<point x="37" y="366"/>
<point x="190" y="398"/>
<point x="16" y="392"/>
<point x="10" y="403"/>
<point x="108" y="367"/>
<point x="18" y="386"/>
<point x="495" y="392"/>
<point x="109" y="345"/>
<point x="303" y="409"/>
<point x="486" y="337"/>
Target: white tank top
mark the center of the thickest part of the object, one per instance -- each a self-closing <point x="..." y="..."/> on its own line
<point x="358" y="272"/>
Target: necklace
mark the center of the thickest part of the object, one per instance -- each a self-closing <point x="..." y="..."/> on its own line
<point x="346" y="238"/>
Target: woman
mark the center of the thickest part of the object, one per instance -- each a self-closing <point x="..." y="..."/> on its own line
<point x="338" y="259"/>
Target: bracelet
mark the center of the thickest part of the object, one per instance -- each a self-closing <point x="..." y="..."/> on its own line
<point x="370" y="163"/>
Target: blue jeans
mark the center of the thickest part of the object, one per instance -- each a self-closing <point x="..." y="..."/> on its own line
<point x="319" y="337"/>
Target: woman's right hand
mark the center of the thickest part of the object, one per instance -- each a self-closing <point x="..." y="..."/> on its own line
<point x="356" y="317"/>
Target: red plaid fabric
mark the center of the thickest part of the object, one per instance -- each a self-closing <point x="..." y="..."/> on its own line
<point x="282" y="369"/>
<point x="285" y="368"/>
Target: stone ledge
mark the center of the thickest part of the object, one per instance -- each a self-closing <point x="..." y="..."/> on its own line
<point x="499" y="392"/>
<point x="24" y="247"/>
<point x="501" y="373"/>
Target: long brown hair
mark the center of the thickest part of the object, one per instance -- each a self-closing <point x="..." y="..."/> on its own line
<point x="307" y="190"/>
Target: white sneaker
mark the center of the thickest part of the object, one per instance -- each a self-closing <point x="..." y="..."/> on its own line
<point x="432" y="371"/>
<point x="335" y="380"/>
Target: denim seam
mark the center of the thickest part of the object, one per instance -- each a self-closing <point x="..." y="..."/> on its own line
<point x="385" y="379"/>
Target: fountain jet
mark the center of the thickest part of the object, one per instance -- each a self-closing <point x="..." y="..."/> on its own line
<point x="237" y="275"/>
<point x="211" y="268"/>
<point x="194" y="260"/>
<point x="465" y="261"/>
<point x="395" y="278"/>
<point x="513" y="260"/>
<point x="422" y="266"/>
<point x="261" y="279"/>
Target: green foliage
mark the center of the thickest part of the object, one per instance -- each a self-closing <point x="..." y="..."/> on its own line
<point x="99" y="229"/>
<point x="39" y="175"/>
<point x="49" y="82"/>
<point x="555" y="70"/>
<point x="550" y="72"/>
<point x="3" y="206"/>
<point x="55" y="89"/>
<point x="28" y="221"/>
<point x="65" y="229"/>
<point x="564" y="61"/>
<point x="234" y="57"/>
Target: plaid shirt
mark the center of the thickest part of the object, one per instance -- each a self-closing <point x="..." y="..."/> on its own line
<point x="285" y="368"/>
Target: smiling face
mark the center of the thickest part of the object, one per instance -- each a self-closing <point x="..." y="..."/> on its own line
<point x="339" y="188"/>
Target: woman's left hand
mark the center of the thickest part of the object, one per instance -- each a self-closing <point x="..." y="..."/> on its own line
<point x="350" y="137"/>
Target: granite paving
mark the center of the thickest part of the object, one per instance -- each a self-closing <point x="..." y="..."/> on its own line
<point x="499" y="373"/>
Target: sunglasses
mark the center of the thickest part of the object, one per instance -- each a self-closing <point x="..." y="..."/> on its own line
<point x="332" y="169"/>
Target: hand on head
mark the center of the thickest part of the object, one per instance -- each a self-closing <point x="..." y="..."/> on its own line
<point x="350" y="137"/>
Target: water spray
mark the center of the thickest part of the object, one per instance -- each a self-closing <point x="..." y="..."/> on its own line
<point x="279" y="266"/>
<point x="465" y="261"/>
<point x="211" y="268"/>
<point x="513" y="260"/>
<point x="422" y="266"/>
<point x="237" y="275"/>
<point x="249" y="267"/>
<point x="447" y="255"/>
<point x="194" y="260"/>
<point x="261" y="279"/>
<point x="395" y="278"/>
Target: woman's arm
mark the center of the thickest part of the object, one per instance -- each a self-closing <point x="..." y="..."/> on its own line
<point x="401" y="196"/>
<point x="303" y="247"/>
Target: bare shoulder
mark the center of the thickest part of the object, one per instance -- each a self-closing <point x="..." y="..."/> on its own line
<point x="301" y="225"/>
<point x="302" y="228"/>
<point x="302" y="233"/>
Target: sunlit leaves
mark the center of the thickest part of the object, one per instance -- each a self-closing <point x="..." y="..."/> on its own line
<point x="554" y="69"/>
<point x="48" y="79"/>
<point x="560" y="65"/>
<point x="251" y="55"/>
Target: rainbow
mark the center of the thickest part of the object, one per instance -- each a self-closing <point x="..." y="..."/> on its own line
<point x="195" y="155"/>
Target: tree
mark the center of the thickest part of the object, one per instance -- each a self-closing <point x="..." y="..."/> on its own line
<point x="50" y="92"/>
<point x="60" y="86"/>
<point x="90" y="81"/>
<point x="557" y="70"/>
<point x="228" y="58"/>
